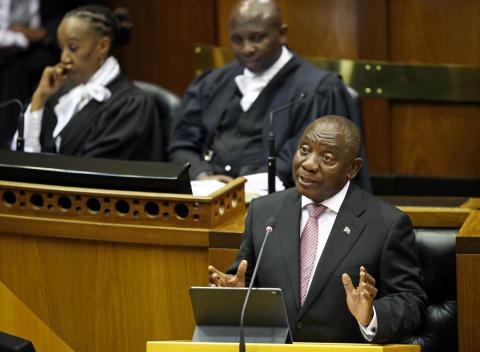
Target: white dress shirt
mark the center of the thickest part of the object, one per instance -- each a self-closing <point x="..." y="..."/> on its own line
<point x="251" y="84"/>
<point x="325" y="225"/>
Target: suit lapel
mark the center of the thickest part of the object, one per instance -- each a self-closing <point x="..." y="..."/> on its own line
<point x="339" y="243"/>
<point x="288" y="222"/>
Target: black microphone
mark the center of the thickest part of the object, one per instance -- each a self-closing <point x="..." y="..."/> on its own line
<point x="271" y="161"/>
<point x="268" y="229"/>
<point x="20" y="122"/>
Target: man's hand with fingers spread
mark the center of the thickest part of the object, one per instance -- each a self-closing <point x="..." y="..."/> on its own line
<point x="360" y="298"/>
<point x="220" y="279"/>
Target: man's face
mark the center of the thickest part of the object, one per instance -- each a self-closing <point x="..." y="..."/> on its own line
<point x="256" y="42"/>
<point x="323" y="164"/>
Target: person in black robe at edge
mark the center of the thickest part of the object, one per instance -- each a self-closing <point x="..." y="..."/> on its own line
<point x="27" y="45"/>
<point x="84" y="105"/>
<point x="223" y="124"/>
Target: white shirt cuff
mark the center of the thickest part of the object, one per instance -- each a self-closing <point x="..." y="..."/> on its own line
<point x="10" y="38"/>
<point x="370" y="331"/>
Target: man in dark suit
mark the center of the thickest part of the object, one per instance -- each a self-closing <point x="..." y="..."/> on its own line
<point x="316" y="259"/>
<point x="223" y="124"/>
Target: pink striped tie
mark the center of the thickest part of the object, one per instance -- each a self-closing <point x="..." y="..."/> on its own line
<point x="308" y="246"/>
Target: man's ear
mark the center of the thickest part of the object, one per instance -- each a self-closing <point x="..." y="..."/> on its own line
<point x="354" y="167"/>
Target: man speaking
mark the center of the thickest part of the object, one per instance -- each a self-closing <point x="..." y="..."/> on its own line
<point x="345" y="261"/>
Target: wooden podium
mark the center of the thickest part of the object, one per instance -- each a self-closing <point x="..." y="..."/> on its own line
<point x="101" y="270"/>
<point x="468" y="290"/>
<point x="175" y="346"/>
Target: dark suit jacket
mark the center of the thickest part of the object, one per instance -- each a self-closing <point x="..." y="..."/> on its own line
<point x="211" y="95"/>
<point x="380" y="238"/>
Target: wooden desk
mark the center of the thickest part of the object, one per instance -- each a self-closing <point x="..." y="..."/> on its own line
<point x="174" y="346"/>
<point x="99" y="270"/>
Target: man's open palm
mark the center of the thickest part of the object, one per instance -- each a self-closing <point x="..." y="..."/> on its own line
<point x="360" y="298"/>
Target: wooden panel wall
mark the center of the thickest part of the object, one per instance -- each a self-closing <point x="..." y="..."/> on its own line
<point x="373" y="45"/>
<point x="161" y="50"/>
<point x="435" y="139"/>
<point x="403" y="138"/>
<point x="333" y="36"/>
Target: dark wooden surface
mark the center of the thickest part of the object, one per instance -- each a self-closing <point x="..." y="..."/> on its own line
<point x="161" y="50"/>
<point x="435" y="139"/>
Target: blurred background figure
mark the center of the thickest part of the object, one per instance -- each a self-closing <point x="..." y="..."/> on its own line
<point x="27" y="44"/>
<point x="223" y="125"/>
<point x="84" y="105"/>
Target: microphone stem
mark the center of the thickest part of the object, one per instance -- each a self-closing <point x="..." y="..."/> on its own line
<point x="21" y="132"/>
<point x="271" y="161"/>
<point x="272" y="165"/>
<point x="247" y="297"/>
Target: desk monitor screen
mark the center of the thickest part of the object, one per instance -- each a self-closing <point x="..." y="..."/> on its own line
<point x="217" y="314"/>
<point x="65" y="170"/>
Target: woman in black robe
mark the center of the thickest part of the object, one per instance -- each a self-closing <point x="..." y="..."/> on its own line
<point x="84" y="105"/>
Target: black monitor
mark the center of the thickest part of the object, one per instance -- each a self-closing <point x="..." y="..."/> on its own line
<point x="11" y="343"/>
<point x="65" y="170"/>
<point x="217" y="315"/>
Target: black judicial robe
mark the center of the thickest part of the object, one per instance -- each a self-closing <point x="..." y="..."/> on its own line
<point x="126" y="126"/>
<point x="21" y="69"/>
<point x="210" y="97"/>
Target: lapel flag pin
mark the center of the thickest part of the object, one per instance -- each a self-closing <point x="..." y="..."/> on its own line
<point x="347" y="230"/>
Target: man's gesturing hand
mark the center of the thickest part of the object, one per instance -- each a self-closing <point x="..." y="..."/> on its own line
<point x="360" y="298"/>
<point x="220" y="279"/>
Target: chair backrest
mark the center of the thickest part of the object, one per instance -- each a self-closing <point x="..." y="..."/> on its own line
<point x="437" y="257"/>
<point x="167" y="104"/>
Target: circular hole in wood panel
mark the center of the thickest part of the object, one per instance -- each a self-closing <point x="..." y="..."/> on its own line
<point x="122" y="207"/>
<point x="221" y="207"/>
<point x="36" y="200"/>
<point x="93" y="204"/>
<point x="9" y="198"/>
<point x="152" y="209"/>
<point x="64" y="202"/>
<point x="181" y="210"/>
